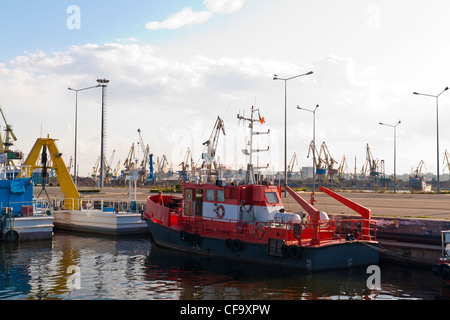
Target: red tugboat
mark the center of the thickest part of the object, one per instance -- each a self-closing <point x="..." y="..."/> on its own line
<point x="248" y="222"/>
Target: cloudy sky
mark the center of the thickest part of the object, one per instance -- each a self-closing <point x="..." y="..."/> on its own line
<point x="174" y="66"/>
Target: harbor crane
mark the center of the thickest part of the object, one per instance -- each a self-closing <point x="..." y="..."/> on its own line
<point x="145" y="158"/>
<point x="419" y="168"/>
<point x="319" y="162"/>
<point x="161" y="166"/>
<point x="6" y="144"/>
<point x="446" y="160"/>
<point x="343" y="169"/>
<point x="371" y="165"/>
<point x="128" y="163"/>
<point x="293" y="162"/>
<point x="184" y="174"/>
<point x="416" y="180"/>
<point x="329" y="161"/>
<point x="211" y="145"/>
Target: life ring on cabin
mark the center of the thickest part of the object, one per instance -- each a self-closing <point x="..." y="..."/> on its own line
<point x="220" y="211"/>
<point x="259" y="232"/>
<point x="11" y="236"/>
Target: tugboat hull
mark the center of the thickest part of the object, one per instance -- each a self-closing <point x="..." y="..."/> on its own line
<point x="346" y="254"/>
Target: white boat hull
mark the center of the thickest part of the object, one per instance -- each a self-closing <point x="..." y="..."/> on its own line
<point x="100" y="222"/>
<point x="31" y="228"/>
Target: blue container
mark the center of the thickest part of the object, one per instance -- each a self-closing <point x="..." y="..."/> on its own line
<point x="15" y="194"/>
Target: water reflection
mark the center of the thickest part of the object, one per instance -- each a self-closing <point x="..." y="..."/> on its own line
<point x="132" y="268"/>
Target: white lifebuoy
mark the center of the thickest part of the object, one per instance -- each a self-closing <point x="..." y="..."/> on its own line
<point x="220" y="211"/>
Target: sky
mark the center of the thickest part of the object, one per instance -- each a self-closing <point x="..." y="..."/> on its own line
<point x="175" y="66"/>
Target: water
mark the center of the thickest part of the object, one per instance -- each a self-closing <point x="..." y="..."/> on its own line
<point x="85" y="267"/>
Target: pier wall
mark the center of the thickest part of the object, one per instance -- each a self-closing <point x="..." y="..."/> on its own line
<point x="412" y="241"/>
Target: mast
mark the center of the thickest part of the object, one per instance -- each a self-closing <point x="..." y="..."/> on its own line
<point x="250" y="176"/>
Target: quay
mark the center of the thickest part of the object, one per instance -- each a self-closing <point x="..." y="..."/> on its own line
<point x="409" y="225"/>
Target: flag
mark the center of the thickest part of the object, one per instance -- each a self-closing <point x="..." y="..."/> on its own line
<point x="261" y="119"/>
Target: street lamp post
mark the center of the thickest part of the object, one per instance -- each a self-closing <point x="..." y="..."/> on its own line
<point x="275" y="77"/>
<point x="314" y="143"/>
<point x="437" y="130"/>
<point x="76" y="129"/>
<point x="395" y="143"/>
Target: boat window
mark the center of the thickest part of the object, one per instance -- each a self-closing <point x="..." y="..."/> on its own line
<point x="210" y="195"/>
<point x="271" y="197"/>
<point x="188" y="194"/>
<point x="220" y="195"/>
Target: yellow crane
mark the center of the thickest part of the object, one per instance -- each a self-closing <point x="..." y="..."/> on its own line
<point x="128" y="163"/>
<point x="293" y="161"/>
<point x="145" y="158"/>
<point x="185" y="165"/>
<point x="329" y="161"/>
<point x="319" y="163"/>
<point x="446" y="160"/>
<point x="343" y="168"/>
<point x="71" y="195"/>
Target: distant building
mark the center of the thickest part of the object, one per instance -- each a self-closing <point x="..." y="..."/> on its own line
<point x="307" y="173"/>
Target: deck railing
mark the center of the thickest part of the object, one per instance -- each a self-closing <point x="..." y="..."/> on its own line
<point x="335" y="230"/>
<point x="106" y="205"/>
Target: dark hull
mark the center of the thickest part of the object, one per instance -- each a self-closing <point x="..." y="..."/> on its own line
<point x="335" y="256"/>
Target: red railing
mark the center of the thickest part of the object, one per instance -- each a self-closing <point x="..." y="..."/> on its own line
<point x="260" y="232"/>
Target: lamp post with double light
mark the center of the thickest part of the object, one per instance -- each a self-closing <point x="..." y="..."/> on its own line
<point x="395" y="144"/>
<point x="437" y="130"/>
<point x="76" y="129"/>
<point x="276" y="77"/>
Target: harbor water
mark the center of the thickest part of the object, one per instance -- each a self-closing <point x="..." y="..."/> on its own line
<point x="88" y="267"/>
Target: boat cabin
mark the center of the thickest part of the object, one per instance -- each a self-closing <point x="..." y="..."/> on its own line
<point x="232" y="202"/>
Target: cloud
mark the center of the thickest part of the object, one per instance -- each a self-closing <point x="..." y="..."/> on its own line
<point x="223" y="6"/>
<point x="175" y="99"/>
<point x="187" y="17"/>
